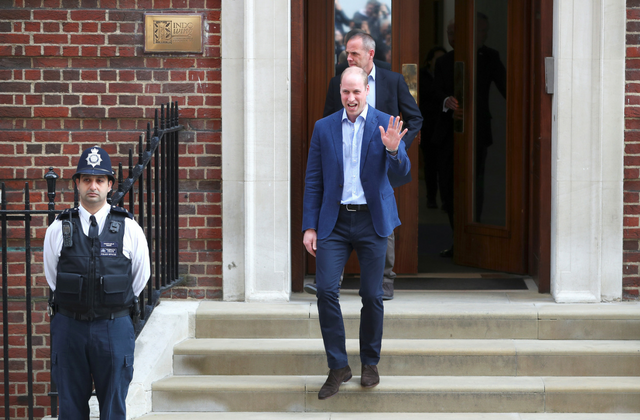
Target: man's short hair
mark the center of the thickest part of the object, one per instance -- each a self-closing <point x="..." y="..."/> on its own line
<point x="358" y="71"/>
<point x="367" y="40"/>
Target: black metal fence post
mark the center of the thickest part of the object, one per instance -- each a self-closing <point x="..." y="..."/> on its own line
<point x="163" y="200"/>
<point x="156" y="189"/>
<point x="27" y="256"/>
<point x="51" y="178"/>
<point x="5" y="303"/>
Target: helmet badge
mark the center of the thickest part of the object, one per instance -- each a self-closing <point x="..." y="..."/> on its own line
<point x="94" y="158"/>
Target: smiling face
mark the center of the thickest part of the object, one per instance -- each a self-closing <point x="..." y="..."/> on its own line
<point x="92" y="190"/>
<point x="353" y="92"/>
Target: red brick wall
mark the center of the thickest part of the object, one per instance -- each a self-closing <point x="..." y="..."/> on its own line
<point x="72" y="74"/>
<point x="631" y="275"/>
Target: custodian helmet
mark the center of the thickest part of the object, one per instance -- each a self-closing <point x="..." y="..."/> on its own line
<point x="94" y="161"/>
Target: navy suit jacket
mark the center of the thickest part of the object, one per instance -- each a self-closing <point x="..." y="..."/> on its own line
<point x="392" y="97"/>
<point x="325" y="175"/>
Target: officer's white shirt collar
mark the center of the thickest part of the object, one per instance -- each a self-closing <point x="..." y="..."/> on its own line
<point x="100" y="215"/>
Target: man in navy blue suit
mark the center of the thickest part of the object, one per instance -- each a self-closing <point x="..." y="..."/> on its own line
<point x="349" y="204"/>
<point x="388" y="93"/>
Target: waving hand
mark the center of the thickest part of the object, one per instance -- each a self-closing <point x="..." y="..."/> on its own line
<point x="391" y="138"/>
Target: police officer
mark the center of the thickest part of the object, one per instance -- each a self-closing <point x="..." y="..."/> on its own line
<point x="96" y="262"/>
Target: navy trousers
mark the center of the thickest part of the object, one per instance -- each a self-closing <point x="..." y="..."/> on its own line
<point x="85" y="351"/>
<point x="353" y="231"/>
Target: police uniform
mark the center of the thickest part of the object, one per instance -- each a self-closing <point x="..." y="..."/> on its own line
<point x="95" y="274"/>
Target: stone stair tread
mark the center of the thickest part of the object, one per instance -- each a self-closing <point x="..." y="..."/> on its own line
<point x="351" y="308"/>
<point x="441" y="361"/>
<point x="226" y="310"/>
<point x="404" y="384"/>
<point x="589" y="311"/>
<point x="413" y="319"/>
<point x="386" y="416"/>
<point x="399" y="347"/>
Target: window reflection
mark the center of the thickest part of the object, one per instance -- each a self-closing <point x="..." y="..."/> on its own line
<point x="490" y="108"/>
<point x="372" y="16"/>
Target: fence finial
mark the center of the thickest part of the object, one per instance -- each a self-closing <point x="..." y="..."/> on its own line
<point x="51" y="178"/>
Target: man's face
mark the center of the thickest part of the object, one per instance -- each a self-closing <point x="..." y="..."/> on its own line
<point x="370" y="9"/>
<point x="482" y="31"/>
<point x="93" y="190"/>
<point x="354" y="95"/>
<point x="451" y="35"/>
<point x="358" y="56"/>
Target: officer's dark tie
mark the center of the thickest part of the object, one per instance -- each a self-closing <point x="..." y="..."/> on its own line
<point x="93" y="229"/>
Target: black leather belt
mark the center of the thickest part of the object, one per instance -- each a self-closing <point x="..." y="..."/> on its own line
<point x="85" y="317"/>
<point x="354" y="207"/>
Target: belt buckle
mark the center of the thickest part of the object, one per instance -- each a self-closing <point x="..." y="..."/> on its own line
<point x="347" y="206"/>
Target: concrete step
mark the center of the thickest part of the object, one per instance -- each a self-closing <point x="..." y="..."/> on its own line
<point x="413" y="357"/>
<point x="417" y="394"/>
<point x="416" y="320"/>
<point x="387" y="416"/>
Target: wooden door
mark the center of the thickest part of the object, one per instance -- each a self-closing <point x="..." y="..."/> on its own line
<point x="320" y="65"/>
<point x="491" y="154"/>
<point x="527" y="162"/>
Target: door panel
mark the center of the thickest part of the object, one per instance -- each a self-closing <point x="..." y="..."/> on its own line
<point x="490" y="153"/>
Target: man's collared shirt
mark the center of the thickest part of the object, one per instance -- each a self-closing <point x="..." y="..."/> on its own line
<point x="371" y="79"/>
<point x="352" y="192"/>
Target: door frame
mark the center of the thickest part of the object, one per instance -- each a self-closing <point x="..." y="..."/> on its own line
<point x="539" y="120"/>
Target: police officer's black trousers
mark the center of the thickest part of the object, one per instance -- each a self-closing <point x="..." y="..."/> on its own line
<point x="84" y="350"/>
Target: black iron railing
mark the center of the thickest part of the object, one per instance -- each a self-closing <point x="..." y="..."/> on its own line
<point x="151" y="193"/>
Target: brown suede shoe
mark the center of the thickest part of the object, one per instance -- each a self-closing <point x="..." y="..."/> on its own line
<point x="370" y="377"/>
<point x="332" y="385"/>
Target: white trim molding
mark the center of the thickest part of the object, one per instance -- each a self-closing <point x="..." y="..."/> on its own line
<point x="256" y="150"/>
<point x="588" y="150"/>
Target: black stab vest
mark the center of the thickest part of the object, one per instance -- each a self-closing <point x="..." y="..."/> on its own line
<point x="94" y="277"/>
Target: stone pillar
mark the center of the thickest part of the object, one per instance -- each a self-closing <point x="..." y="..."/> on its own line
<point x="256" y="127"/>
<point x="587" y="155"/>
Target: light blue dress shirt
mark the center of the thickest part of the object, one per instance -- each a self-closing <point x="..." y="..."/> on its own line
<point x="371" y="79"/>
<point x="352" y="192"/>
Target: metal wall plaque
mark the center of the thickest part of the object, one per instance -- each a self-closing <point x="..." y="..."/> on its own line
<point x="173" y="32"/>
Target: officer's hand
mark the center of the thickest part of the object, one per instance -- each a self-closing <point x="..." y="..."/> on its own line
<point x="310" y="241"/>
<point x="391" y="139"/>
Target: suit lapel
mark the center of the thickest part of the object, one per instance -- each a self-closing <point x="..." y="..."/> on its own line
<point x="336" y="134"/>
<point x="369" y="128"/>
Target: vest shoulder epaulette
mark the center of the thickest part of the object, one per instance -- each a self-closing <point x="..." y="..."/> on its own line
<point x="67" y="213"/>
<point x="121" y="211"/>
